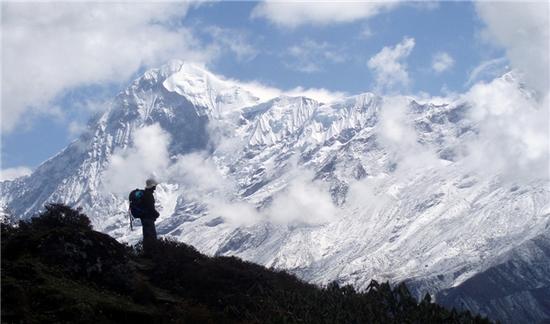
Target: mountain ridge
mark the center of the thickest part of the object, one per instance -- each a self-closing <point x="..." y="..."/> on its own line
<point x="362" y="187"/>
<point x="56" y="268"/>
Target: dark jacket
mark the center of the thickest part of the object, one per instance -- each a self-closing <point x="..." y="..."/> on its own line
<point x="149" y="205"/>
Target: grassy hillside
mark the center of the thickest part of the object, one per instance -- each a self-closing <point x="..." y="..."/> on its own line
<point x="56" y="269"/>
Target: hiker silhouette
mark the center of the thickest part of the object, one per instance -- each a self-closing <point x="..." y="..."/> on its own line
<point x="142" y="206"/>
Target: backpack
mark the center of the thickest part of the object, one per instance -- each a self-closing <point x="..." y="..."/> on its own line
<point x="136" y="203"/>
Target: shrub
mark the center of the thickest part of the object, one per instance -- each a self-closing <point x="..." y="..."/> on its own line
<point x="59" y="215"/>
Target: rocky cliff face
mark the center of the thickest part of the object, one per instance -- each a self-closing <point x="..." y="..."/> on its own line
<point x="365" y="187"/>
<point x="516" y="289"/>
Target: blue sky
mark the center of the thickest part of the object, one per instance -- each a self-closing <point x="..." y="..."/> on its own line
<point x="51" y="88"/>
<point x="449" y="27"/>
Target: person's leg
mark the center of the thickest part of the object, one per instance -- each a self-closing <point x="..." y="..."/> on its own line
<point x="153" y="230"/>
<point x="149" y="235"/>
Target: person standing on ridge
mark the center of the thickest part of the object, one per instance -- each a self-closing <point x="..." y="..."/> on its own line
<point x="142" y="206"/>
<point x="150" y="215"/>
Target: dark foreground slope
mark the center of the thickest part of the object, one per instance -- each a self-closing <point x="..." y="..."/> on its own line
<point x="55" y="268"/>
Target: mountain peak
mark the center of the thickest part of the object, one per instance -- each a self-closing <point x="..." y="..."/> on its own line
<point x="203" y="88"/>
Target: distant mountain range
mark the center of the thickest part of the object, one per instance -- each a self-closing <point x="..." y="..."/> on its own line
<point x="360" y="188"/>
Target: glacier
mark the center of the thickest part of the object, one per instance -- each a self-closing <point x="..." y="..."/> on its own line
<point x="365" y="187"/>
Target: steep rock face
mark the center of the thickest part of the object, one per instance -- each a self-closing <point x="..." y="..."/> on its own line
<point x="515" y="290"/>
<point x="324" y="190"/>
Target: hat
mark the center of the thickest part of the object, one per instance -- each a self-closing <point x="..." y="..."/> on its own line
<point x="150" y="183"/>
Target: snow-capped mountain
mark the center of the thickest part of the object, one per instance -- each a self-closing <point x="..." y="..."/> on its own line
<point x="360" y="188"/>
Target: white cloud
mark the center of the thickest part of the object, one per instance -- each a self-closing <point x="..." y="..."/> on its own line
<point x="80" y="108"/>
<point x="523" y="29"/>
<point x="425" y="5"/>
<point x="76" y="128"/>
<point x="399" y="137"/>
<point x="262" y="91"/>
<point x="514" y="134"/>
<point x="310" y="56"/>
<point x="51" y="47"/>
<point x="196" y="173"/>
<point x="294" y="14"/>
<point x="302" y="202"/>
<point x="442" y="61"/>
<point x="393" y="129"/>
<point x="390" y="67"/>
<point x="13" y="173"/>
<point x="235" y="212"/>
<point x="488" y="69"/>
<point x="206" y="183"/>
<point x="265" y="92"/>
<point x="366" y="33"/>
<point x="513" y="131"/>
<point x="319" y="94"/>
<point x="199" y="172"/>
<point x="148" y="156"/>
<point x="233" y="40"/>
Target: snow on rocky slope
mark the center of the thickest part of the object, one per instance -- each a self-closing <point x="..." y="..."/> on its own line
<point x="364" y="187"/>
<point x="514" y="290"/>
